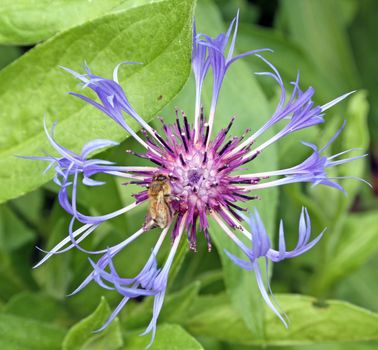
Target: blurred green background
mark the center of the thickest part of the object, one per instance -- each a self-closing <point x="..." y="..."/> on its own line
<point x="329" y="294"/>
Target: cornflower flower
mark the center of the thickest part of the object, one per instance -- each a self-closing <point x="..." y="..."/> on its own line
<point x="202" y="172"/>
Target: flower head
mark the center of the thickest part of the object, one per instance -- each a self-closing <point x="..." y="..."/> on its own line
<point x="192" y="176"/>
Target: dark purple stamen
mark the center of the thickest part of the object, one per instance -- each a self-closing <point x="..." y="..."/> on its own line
<point x="165" y="127"/>
<point x="235" y="214"/>
<point x="245" y="181"/>
<point x="204" y="158"/>
<point x="227" y="145"/>
<point x="157" y="162"/>
<point x="141" y="182"/>
<point x="223" y="167"/>
<point x="252" y="157"/>
<point x="178" y="122"/>
<point x="202" y="116"/>
<point x="244" y="196"/>
<point x="187" y="128"/>
<point x="184" y="142"/>
<point x="137" y="154"/>
<point x="182" y="160"/>
<point x="164" y="143"/>
<point x="206" y="135"/>
<point x="230" y="204"/>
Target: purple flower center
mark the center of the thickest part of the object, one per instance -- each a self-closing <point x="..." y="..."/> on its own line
<point x="194" y="176"/>
<point x="200" y="172"/>
<point x="195" y="184"/>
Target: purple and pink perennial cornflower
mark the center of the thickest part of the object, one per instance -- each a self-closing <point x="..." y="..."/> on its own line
<point x="203" y="171"/>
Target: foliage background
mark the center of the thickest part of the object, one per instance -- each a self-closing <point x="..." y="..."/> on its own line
<point x="329" y="294"/>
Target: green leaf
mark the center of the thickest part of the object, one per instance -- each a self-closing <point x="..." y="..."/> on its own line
<point x="8" y="54"/>
<point x="323" y="36"/>
<point x="359" y="242"/>
<point x="361" y="345"/>
<point x="360" y="286"/>
<point x="159" y="35"/>
<point x="28" y="209"/>
<point x="288" y="57"/>
<point x="213" y="316"/>
<point x="13" y="232"/>
<point x="356" y="134"/>
<point x="36" y="306"/>
<point x="23" y="22"/>
<point x="27" y="22"/>
<point x="17" y="333"/>
<point x="311" y="321"/>
<point x="362" y="32"/>
<point x="168" y="336"/>
<point x="81" y="335"/>
<point x="15" y="237"/>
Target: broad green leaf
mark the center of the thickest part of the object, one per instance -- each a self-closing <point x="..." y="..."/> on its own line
<point x="8" y="54"/>
<point x="168" y="336"/>
<point x="288" y="57"/>
<point x="356" y="134"/>
<point x="13" y="232"/>
<point x="359" y="241"/>
<point x="27" y="22"/>
<point x="322" y="35"/>
<point x="248" y="12"/>
<point x="23" y="22"/>
<point x="159" y="35"/>
<point x="213" y="316"/>
<point x="348" y="11"/>
<point x="362" y="34"/>
<point x="15" y="238"/>
<point x="311" y="322"/>
<point x="18" y="333"/>
<point x="11" y="283"/>
<point x="360" y="286"/>
<point x="36" y="306"/>
<point x="176" y="308"/>
<point x="28" y="208"/>
<point x="361" y="345"/>
<point x="81" y="335"/>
